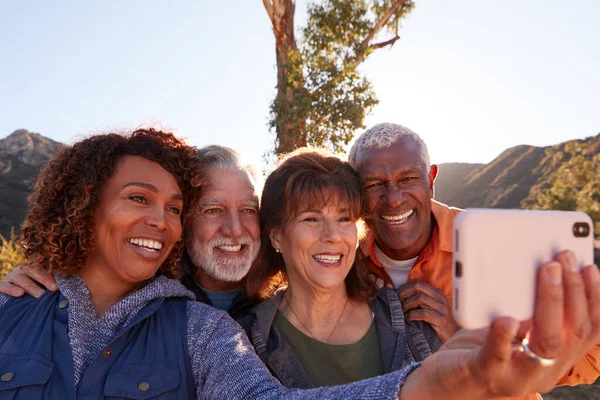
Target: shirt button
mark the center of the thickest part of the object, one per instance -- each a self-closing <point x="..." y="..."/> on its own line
<point x="7" y="377"/>
<point x="107" y="352"/>
<point x="63" y="304"/>
<point x="143" y="386"/>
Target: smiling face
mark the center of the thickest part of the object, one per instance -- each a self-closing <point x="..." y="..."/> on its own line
<point x="225" y="230"/>
<point x="398" y="189"/>
<point x="318" y="246"/>
<point x="136" y="224"/>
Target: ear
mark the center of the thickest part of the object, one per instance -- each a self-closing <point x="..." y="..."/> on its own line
<point x="275" y="237"/>
<point x="433" y="172"/>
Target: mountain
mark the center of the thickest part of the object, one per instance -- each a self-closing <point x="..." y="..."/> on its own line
<point x="514" y="178"/>
<point x="22" y="155"/>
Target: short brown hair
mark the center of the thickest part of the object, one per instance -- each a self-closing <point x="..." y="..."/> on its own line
<point x="57" y="233"/>
<point x="312" y="176"/>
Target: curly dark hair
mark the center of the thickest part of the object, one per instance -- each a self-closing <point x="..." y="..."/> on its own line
<point x="317" y="177"/>
<point x="57" y="233"/>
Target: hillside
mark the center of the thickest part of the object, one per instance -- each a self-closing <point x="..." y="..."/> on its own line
<point x="22" y="155"/>
<point x="512" y="180"/>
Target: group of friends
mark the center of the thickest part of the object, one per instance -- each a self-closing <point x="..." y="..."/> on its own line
<point x="337" y="272"/>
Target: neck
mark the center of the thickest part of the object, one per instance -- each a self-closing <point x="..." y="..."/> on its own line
<point x="214" y="285"/>
<point x="315" y="310"/>
<point x="105" y="291"/>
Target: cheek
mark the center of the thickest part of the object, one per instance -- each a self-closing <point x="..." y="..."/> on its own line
<point x="370" y="200"/>
<point x="203" y="231"/>
<point x="254" y="229"/>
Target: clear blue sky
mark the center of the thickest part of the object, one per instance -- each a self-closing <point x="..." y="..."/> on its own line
<point x="472" y="77"/>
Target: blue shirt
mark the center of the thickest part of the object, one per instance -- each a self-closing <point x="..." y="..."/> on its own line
<point x="221" y="300"/>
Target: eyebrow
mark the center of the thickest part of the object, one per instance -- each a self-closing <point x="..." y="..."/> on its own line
<point x="151" y="188"/>
<point x="252" y="203"/>
<point x="210" y="202"/>
<point x="213" y="202"/>
<point x="405" y="172"/>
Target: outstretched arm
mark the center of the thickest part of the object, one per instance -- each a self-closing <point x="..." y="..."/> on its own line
<point x="565" y="326"/>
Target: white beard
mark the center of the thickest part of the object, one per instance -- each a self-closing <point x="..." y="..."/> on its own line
<point x="222" y="268"/>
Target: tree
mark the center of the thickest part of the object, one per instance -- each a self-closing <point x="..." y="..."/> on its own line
<point x="576" y="185"/>
<point x="10" y="254"/>
<point x="322" y="98"/>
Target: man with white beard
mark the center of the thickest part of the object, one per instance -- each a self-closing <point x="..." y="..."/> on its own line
<point x="224" y="231"/>
<point x="223" y="237"/>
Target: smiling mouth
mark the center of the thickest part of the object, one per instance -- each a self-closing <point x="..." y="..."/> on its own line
<point x="234" y="248"/>
<point x="397" y="219"/>
<point x="328" y="258"/>
<point x="146" y="244"/>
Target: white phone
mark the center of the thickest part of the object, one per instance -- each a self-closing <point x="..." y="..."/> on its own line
<point x="497" y="253"/>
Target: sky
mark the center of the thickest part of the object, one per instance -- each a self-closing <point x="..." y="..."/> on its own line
<point x="472" y="77"/>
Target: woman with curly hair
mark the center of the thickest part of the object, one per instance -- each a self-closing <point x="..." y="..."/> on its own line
<point x="106" y="219"/>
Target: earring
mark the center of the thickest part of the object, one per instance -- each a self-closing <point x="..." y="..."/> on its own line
<point x="277" y="251"/>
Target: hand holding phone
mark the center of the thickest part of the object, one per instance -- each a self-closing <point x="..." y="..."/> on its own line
<point x="497" y="253"/>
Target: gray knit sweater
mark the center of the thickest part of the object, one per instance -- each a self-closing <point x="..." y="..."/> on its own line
<point x="223" y="362"/>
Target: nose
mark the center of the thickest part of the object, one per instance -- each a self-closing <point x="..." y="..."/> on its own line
<point x="394" y="195"/>
<point x="232" y="225"/>
<point x="156" y="217"/>
<point x="330" y="232"/>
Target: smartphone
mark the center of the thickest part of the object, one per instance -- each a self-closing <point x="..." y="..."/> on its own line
<point x="497" y="253"/>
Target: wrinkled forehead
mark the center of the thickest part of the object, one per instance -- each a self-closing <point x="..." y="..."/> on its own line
<point x="227" y="188"/>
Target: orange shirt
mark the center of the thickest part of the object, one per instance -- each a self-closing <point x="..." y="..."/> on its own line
<point x="434" y="267"/>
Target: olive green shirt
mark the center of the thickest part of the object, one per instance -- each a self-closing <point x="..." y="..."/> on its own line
<point x="329" y="365"/>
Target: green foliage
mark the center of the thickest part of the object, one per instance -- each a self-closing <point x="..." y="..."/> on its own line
<point x="576" y="183"/>
<point x="10" y="254"/>
<point x="327" y="97"/>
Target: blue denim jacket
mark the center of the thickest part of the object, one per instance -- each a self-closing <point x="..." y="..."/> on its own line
<point x="36" y="361"/>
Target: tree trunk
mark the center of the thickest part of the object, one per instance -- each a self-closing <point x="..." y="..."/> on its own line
<point x="290" y="120"/>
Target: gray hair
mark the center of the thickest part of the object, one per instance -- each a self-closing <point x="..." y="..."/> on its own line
<point x="217" y="156"/>
<point x="384" y="135"/>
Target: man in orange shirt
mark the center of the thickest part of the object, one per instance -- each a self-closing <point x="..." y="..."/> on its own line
<point x="409" y="240"/>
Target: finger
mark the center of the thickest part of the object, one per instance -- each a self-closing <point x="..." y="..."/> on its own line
<point x="591" y="279"/>
<point x="497" y="348"/>
<point x="434" y="318"/>
<point x="421" y="300"/>
<point x="36" y="272"/>
<point x="24" y="282"/>
<point x="11" y="290"/>
<point x="546" y="335"/>
<point x="576" y="309"/>
<point x="524" y="329"/>
<point x="413" y="287"/>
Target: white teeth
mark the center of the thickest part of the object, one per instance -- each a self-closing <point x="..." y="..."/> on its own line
<point x="237" y="247"/>
<point x="147" y="243"/>
<point x="326" y="258"/>
<point x="396" y="218"/>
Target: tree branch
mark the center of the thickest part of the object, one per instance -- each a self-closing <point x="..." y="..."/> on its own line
<point x="361" y="54"/>
<point x="384" y="20"/>
<point x="269" y="7"/>
<point x="386" y="43"/>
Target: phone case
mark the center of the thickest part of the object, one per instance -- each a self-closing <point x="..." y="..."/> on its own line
<point x="497" y="253"/>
